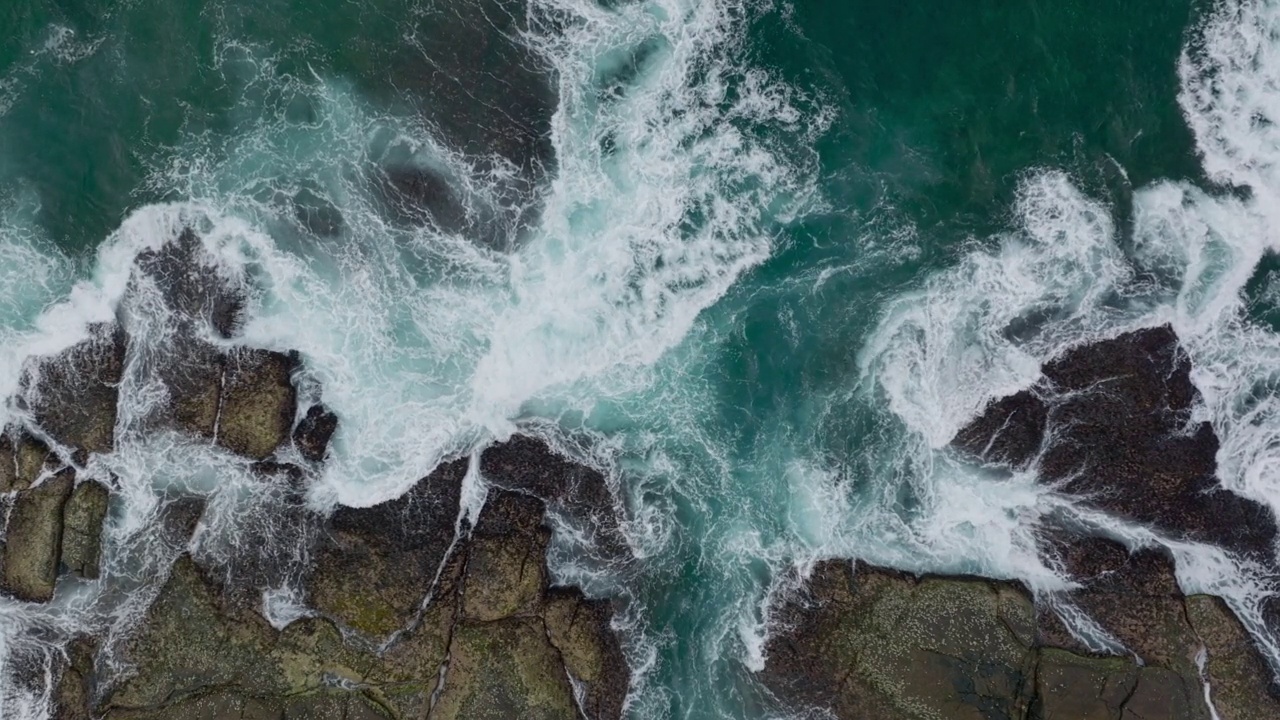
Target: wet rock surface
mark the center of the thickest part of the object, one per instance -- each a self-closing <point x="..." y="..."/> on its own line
<point x="33" y="539"/>
<point x="82" y="520"/>
<point x="870" y="642"/>
<point x="1110" y="423"/>
<point x="73" y="395"/>
<point x="258" y="402"/>
<point x="22" y="458"/>
<point x="471" y="624"/>
<point x="314" y="432"/>
<point x="580" y="493"/>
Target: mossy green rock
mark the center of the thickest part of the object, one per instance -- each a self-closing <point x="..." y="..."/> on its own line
<point x="882" y="644"/>
<point x="33" y="540"/>
<point x="258" y="402"/>
<point x="1239" y="678"/>
<point x="505" y="669"/>
<point x="82" y="528"/>
<point x="22" y="459"/>
<point x="187" y="644"/>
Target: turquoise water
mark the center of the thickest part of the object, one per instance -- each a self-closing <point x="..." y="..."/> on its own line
<point x="758" y="261"/>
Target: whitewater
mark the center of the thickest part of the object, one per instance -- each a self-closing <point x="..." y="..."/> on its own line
<point x="600" y="309"/>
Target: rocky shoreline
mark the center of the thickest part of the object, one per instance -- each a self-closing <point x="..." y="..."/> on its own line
<point x="1109" y="425"/>
<point x="411" y="611"/>
<point x="426" y="607"/>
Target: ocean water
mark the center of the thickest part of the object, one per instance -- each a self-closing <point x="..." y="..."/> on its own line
<point x="759" y="261"/>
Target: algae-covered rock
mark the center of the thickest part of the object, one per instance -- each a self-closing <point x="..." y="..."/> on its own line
<point x="471" y="628"/>
<point x="73" y="395"/>
<point x="1241" y="683"/>
<point x="186" y="644"/>
<point x="33" y="542"/>
<point x="377" y="564"/>
<point x="314" y="431"/>
<point x="506" y="559"/>
<point x="71" y="697"/>
<point x="22" y="459"/>
<point x="505" y="669"/>
<point x="330" y="705"/>
<point x="1083" y="688"/>
<point x="82" y="528"/>
<point x="877" y="643"/>
<point x="258" y="402"/>
<point x="1117" y="415"/>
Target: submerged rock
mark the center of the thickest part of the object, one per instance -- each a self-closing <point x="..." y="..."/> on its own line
<point x="870" y="642"/>
<point x="480" y="84"/>
<point x="1110" y="423"/>
<point x="73" y="395"/>
<point x="33" y="539"/>
<point x="379" y="563"/>
<point x="192" y="287"/>
<point x="82" y="529"/>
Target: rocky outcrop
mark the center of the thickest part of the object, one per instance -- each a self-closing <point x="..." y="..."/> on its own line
<point x="33" y="539"/>
<point x="22" y="459"/>
<point x="241" y="398"/>
<point x="578" y="492"/>
<point x="55" y="526"/>
<point x="1110" y="424"/>
<point x="82" y="520"/>
<point x="377" y="564"/>
<point x="491" y="640"/>
<point x="258" y="402"/>
<point x="870" y="642"/>
<point x="73" y="395"/>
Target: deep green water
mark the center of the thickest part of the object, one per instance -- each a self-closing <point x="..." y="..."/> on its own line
<point x="686" y="257"/>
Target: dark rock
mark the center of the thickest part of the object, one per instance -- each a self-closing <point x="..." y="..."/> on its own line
<point x="180" y="517"/>
<point x="477" y="632"/>
<point x="259" y="402"/>
<point x="506" y="567"/>
<point x="378" y="563"/>
<point x="527" y="464"/>
<point x="33" y="540"/>
<point x="314" y="431"/>
<point x="1242" y="683"/>
<point x="72" y="697"/>
<point x="1118" y="413"/>
<point x="504" y="669"/>
<point x="73" y="395"/>
<point x="421" y="195"/>
<point x="82" y="528"/>
<point x="1008" y="432"/>
<point x="22" y="459"/>
<point x="193" y="373"/>
<point x="192" y="287"/>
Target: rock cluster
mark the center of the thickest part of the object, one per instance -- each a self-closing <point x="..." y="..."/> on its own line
<point x="1110" y="425"/>
<point x="875" y="643"/>
<point x="54" y="525"/>
<point x="468" y="626"/>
